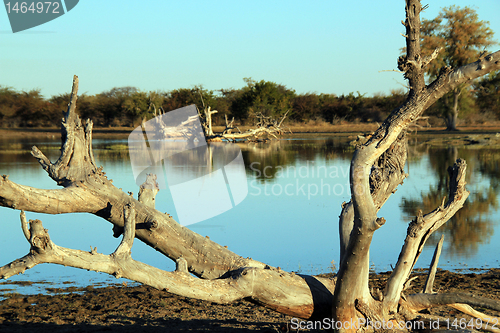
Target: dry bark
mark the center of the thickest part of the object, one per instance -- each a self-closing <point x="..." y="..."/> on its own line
<point x="222" y="275"/>
<point x="352" y="279"/>
<point x="251" y="283"/>
<point x="265" y="126"/>
<point x="377" y="168"/>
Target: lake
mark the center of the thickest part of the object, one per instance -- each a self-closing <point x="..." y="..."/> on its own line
<point x="289" y="217"/>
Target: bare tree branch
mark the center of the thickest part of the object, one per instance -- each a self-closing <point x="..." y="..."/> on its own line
<point x="433" y="268"/>
<point x="148" y="191"/>
<point x="87" y="189"/>
<point x="377" y="168"/>
<point x="427" y="60"/>
<point x="352" y="283"/>
<point x="419" y="231"/>
<point x="67" y="200"/>
<point x="125" y="247"/>
<point x="487" y="321"/>
<point x="289" y="293"/>
<point x="265" y="126"/>
<point x="419" y="302"/>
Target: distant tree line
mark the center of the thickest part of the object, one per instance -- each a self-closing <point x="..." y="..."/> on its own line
<point x="128" y="106"/>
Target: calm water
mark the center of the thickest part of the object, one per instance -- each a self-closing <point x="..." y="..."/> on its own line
<point x="289" y="217"/>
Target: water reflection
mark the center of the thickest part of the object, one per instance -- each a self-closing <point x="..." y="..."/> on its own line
<point x="268" y="161"/>
<point x="294" y="222"/>
<point x="17" y="151"/>
<point x="472" y="225"/>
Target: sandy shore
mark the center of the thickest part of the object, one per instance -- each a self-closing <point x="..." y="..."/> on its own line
<point x="144" y="309"/>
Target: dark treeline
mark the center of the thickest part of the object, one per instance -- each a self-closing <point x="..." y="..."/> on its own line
<point x="127" y="106"/>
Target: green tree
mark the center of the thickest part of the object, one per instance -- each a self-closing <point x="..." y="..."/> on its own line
<point x="142" y="105"/>
<point x="344" y="107"/>
<point x="33" y="110"/>
<point x="199" y="96"/>
<point x="108" y="106"/>
<point x="8" y="99"/>
<point x="265" y="98"/>
<point x="378" y="107"/>
<point x="463" y="37"/>
<point x="487" y="93"/>
<point x="137" y="105"/>
<point x="306" y="107"/>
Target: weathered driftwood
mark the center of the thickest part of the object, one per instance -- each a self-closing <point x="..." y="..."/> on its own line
<point x="377" y="168"/>
<point x="188" y="129"/>
<point x="265" y="126"/>
<point x="87" y="189"/>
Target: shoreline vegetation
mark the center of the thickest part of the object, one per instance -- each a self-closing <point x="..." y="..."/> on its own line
<point x="477" y="105"/>
<point x="297" y="129"/>
<point x="144" y="309"/>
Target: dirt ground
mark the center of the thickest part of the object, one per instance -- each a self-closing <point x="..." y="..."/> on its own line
<point x="144" y="309"/>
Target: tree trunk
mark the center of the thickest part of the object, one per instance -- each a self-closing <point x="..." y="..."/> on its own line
<point x="451" y="120"/>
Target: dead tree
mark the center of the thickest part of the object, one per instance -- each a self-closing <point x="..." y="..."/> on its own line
<point x="376" y="171"/>
<point x="222" y="276"/>
<point x="265" y="126"/>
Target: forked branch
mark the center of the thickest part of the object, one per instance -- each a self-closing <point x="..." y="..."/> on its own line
<point x="263" y="286"/>
<point x="87" y="189"/>
<point x="420" y="230"/>
<point x="356" y="236"/>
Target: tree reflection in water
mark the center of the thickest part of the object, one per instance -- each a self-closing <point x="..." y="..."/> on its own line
<point x="467" y="230"/>
<point x="471" y="225"/>
<point x="266" y="160"/>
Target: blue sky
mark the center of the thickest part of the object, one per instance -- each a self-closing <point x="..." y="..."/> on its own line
<point x="311" y="46"/>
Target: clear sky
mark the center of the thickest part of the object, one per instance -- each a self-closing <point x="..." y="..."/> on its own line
<point x="329" y="46"/>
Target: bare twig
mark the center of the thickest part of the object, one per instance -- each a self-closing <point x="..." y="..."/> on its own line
<point x="433" y="268"/>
